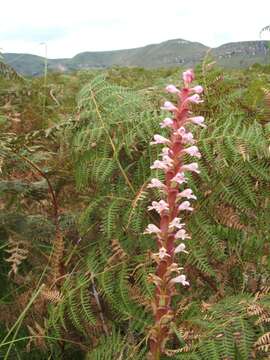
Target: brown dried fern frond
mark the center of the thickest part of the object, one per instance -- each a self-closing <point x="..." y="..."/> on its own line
<point x="17" y="253"/>
<point x="255" y="310"/>
<point x="136" y="295"/>
<point x="265" y="115"/>
<point x="140" y="195"/>
<point x="264" y="290"/>
<point x="184" y="349"/>
<point x="53" y="296"/>
<point x="264" y="319"/>
<point x="226" y="215"/>
<point x="263" y="343"/>
<point x="56" y="257"/>
<point x="118" y="253"/>
<point x="243" y="150"/>
<point x="261" y="312"/>
<point x="37" y="333"/>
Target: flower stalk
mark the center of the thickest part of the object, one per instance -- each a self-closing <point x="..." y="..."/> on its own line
<point x="171" y="234"/>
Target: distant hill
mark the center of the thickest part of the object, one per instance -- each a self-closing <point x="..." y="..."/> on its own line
<point x="166" y="54"/>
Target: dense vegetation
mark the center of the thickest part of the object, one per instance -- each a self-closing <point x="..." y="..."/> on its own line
<point x="75" y="158"/>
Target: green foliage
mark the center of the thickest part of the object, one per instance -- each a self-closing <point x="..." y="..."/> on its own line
<point x="97" y="158"/>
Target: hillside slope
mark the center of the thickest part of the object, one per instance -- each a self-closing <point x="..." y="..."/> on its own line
<point x="166" y="54"/>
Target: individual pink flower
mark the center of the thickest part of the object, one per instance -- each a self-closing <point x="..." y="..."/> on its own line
<point x="198" y="120"/>
<point x="159" y="206"/>
<point x="185" y="206"/>
<point x="165" y="151"/>
<point x="162" y="164"/>
<point x="169" y="106"/>
<point x="191" y="167"/>
<point x="172" y="89"/>
<point x="180" y="248"/>
<point x="174" y="267"/>
<point x="187" y="138"/>
<point x="160" y="140"/>
<point x="188" y="76"/>
<point x="152" y="229"/>
<point x="167" y="122"/>
<point x="194" y="99"/>
<point x="162" y="253"/>
<point x="179" y="178"/>
<point x="156" y="183"/>
<point x="181" y="279"/>
<point x="175" y="223"/>
<point x="181" y="131"/>
<point x="187" y="193"/>
<point x="182" y="234"/>
<point x="167" y="159"/>
<point x="197" y="89"/>
<point x="192" y="151"/>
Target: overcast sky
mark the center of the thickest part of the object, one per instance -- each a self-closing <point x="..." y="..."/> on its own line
<point x="69" y="27"/>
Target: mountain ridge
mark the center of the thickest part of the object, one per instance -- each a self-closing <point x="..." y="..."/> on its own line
<point x="174" y="52"/>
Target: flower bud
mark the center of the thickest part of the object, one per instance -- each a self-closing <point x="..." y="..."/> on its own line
<point x="172" y="89"/>
<point x="188" y="76"/>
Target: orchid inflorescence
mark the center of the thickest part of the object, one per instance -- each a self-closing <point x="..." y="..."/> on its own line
<point x="171" y="234"/>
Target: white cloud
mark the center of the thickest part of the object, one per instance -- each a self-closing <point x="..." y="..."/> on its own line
<point x="89" y="25"/>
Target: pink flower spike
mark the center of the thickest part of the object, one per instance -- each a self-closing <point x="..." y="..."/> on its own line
<point x="182" y="234"/>
<point x="191" y="167"/>
<point x="188" y="76"/>
<point x="167" y="122"/>
<point x="187" y="193"/>
<point x="179" y="178"/>
<point x="159" y="206"/>
<point x="155" y="183"/>
<point x="169" y="106"/>
<point x="160" y="140"/>
<point x="185" y="206"/>
<point x="194" y="99"/>
<point x="152" y="229"/>
<point x="172" y="89"/>
<point x="198" y="120"/>
<point x="197" y="89"/>
<point x="181" y="279"/>
<point x="175" y="223"/>
<point x="192" y="151"/>
<point x="180" y="248"/>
